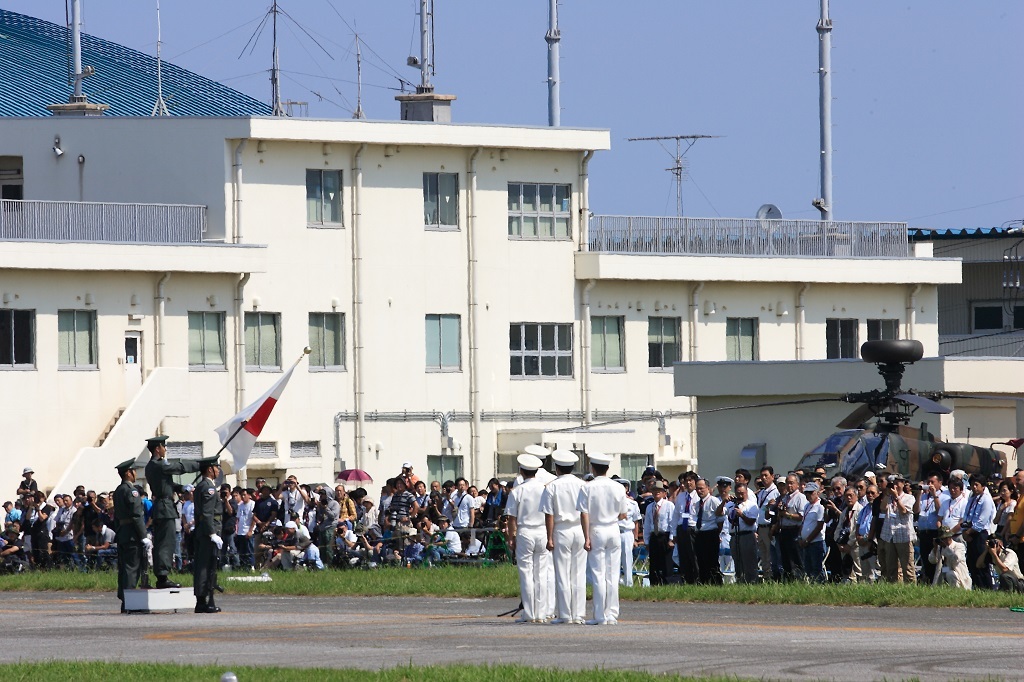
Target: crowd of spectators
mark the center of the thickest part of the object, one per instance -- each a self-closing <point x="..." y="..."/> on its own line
<point x="962" y="531"/>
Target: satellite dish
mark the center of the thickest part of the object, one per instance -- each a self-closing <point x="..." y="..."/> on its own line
<point x="769" y="212"/>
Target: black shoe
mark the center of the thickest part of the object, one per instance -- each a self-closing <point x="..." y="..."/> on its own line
<point x="162" y="583"/>
<point x="207" y="608"/>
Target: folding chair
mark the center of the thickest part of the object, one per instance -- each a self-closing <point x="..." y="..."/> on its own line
<point x="641" y="566"/>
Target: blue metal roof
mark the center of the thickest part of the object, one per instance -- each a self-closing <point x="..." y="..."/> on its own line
<point x="925" y="234"/>
<point x="34" y="57"/>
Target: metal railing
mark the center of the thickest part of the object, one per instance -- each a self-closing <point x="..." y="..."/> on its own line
<point x="77" y="221"/>
<point x="747" y="237"/>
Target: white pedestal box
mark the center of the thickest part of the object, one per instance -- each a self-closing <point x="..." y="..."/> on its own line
<point x="170" y="599"/>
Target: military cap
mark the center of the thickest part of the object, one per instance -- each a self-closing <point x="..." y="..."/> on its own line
<point x="125" y="465"/>
<point x="156" y="440"/>
<point x="207" y="461"/>
<point x="724" y="480"/>
<point x="529" y="462"/>
<point x="599" y="458"/>
<point x="564" y="458"/>
<point x="537" y="451"/>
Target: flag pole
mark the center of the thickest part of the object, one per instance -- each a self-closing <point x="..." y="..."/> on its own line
<point x="228" y="441"/>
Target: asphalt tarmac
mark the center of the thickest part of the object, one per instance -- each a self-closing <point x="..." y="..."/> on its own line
<point x="760" y="642"/>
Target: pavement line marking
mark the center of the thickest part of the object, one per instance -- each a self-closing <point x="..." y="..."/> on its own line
<point x="834" y="628"/>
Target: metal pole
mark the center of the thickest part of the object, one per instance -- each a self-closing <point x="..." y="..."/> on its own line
<point x="275" y="71"/>
<point x="76" y="47"/>
<point x="554" y="35"/>
<point x="425" y="85"/>
<point x="825" y="109"/>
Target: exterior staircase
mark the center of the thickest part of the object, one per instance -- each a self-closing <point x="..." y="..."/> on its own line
<point x="110" y="427"/>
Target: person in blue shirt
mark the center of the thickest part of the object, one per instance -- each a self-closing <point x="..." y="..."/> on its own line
<point x="975" y="524"/>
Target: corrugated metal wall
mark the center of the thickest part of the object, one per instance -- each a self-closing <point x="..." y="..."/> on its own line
<point x="981" y="282"/>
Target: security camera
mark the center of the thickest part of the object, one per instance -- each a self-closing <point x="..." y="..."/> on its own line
<point x="58" y="151"/>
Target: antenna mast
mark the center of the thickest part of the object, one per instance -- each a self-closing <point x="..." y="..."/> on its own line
<point x="824" y="202"/>
<point x="425" y="48"/>
<point x="678" y="168"/>
<point x="275" y="71"/>
<point x="553" y="37"/>
<point x="160" y="108"/>
<point x="358" y="114"/>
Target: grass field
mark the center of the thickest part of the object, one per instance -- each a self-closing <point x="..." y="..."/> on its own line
<point x="501" y="581"/>
<point x="156" y="672"/>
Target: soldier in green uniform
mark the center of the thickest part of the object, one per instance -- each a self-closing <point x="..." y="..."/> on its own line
<point x="130" y="530"/>
<point x="159" y="475"/>
<point x="208" y="507"/>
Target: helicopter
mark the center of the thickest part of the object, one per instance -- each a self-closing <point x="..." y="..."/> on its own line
<point x="890" y="444"/>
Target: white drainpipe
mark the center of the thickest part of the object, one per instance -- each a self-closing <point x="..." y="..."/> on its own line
<point x="161" y="299"/>
<point x="475" y="423"/>
<point x="357" y="308"/>
<point x="912" y="311"/>
<point x="240" y="342"/>
<point x="585" y="201"/>
<point x="801" y="317"/>
<point x="236" y="181"/>
<point x="585" y="352"/>
<point x="694" y="311"/>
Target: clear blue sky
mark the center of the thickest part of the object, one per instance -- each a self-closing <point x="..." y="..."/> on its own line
<point x="927" y="110"/>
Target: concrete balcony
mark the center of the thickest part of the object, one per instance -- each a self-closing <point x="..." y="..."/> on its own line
<point x="77" y="221"/>
<point x="747" y="237"/>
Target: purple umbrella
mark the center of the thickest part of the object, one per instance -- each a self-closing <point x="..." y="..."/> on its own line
<point x="354" y="476"/>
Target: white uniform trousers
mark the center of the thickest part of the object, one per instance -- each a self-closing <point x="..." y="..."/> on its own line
<point x="533" y="560"/>
<point x="626" y="542"/>
<point x="548" y="585"/>
<point x="570" y="563"/>
<point x="603" y="566"/>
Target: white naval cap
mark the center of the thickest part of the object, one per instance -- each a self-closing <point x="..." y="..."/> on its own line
<point x="537" y="451"/>
<point x="529" y="462"/>
<point x="564" y="458"/>
<point x="599" y="458"/>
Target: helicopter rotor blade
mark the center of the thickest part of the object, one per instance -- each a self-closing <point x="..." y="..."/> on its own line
<point x="981" y="397"/>
<point x="780" y="403"/>
<point x="857" y="417"/>
<point x="925" y="404"/>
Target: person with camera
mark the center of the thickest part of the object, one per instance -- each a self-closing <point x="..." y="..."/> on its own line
<point x="327" y="512"/>
<point x="659" y="534"/>
<point x="706" y="535"/>
<point x="742" y="512"/>
<point x="930" y="500"/>
<point x="291" y="498"/>
<point x="950" y="559"/>
<point x="975" y="526"/>
<point x="844" y="535"/>
<point x="789" y="519"/>
<point x="896" y="541"/>
<point x="767" y="495"/>
<point x="1006" y="562"/>
<point x="812" y="534"/>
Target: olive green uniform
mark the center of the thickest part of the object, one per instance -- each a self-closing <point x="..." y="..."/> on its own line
<point x="208" y="508"/>
<point x="159" y="473"/>
<point x="130" y="529"/>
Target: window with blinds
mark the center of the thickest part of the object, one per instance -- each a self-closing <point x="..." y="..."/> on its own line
<point x="662" y="342"/>
<point x="76" y="339"/>
<point x="741" y="338"/>
<point x="206" y="340"/>
<point x="262" y="350"/>
<point x="607" y="343"/>
<point x="327" y="340"/>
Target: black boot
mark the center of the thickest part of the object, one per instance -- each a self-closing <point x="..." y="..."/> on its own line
<point x="204" y="606"/>
<point x="211" y="607"/>
<point x="163" y="583"/>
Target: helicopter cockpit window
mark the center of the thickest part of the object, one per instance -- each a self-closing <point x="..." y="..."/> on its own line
<point x="827" y="454"/>
<point x="869" y="451"/>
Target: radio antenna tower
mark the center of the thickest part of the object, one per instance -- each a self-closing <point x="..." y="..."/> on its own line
<point x="358" y="113"/>
<point x="275" y="70"/>
<point x="160" y="108"/>
<point x="680" y="165"/>
<point x="824" y="202"/>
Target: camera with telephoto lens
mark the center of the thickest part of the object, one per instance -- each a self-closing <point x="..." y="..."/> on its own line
<point x="992" y="542"/>
<point x="966" y="525"/>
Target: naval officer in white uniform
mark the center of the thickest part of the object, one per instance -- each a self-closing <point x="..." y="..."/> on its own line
<point x="565" y="539"/>
<point x="528" y="537"/>
<point x="602" y="503"/>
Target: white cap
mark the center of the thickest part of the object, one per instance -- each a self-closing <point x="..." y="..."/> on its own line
<point x="599" y="458"/>
<point x="564" y="458"/>
<point x="27" y="470"/>
<point x="291" y="526"/>
<point x="529" y="462"/>
<point x="724" y="479"/>
<point x="188" y="488"/>
<point x="407" y="465"/>
<point x="869" y="474"/>
<point x="537" y="451"/>
<point x="958" y="473"/>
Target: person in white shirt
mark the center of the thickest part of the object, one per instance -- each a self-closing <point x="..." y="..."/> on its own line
<point x="789" y="519"/>
<point x="686" y="504"/>
<point x="952" y="508"/>
<point x="463" y="506"/>
<point x="565" y="539"/>
<point x="602" y="503"/>
<point x="928" y="522"/>
<point x="628" y="538"/>
<point x="742" y="513"/>
<point x="766" y="497"/>
<point x="1006" y="562"/>
<point x="659" y="533"/>
<point x="547" y="586"/>
<point x="706" y="539"/>
<point x="528" y="538"/>
<point x="950" y="559"/>
<point x="244" y="526"/>
<point x="812" y="534"/>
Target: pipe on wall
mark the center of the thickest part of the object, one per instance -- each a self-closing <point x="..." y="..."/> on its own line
<point x="585" y="336"/>
<point x="584" y="244"/>
<point x="912" y="310"/>
<point x="800" y="318"/>
<point x="357" y="307"/>
<point x="161" y="300"/>
<point x="240" y="342"/>
<point x="694" y="311"/>
<point x="475" y="423"/>
<point x="236" y="185"/>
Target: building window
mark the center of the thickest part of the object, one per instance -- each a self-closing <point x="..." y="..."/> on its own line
<point x="444" y="467"/>
<point x="441" y="201"/>
<point x="263" y="450"/>
<point x="741" y="341"/>
<point x="662" y="342"/>
<point x="206" y="340"/>
<point x="883" y="330"/>
<point x="539" y="211"/>
<point x="632" y="467"/>
<point x="327" y="340"/>
<point x="323" y="198"/>
<point x="841" y="339"/>
<point x="17" y="338"/>
<point x="76" y="338"/>
<point x="1018" y="317"/>
<point x="540" y="350"/>
<point x="305" y="449"/>
<point x="606" y="343"/>
<point x="997" y="316"/>
<point x="261" y="346"/>
<point x="443" y="341"/>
